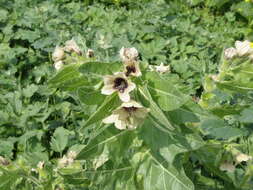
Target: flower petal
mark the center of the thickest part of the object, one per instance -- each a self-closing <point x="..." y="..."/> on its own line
<point x="107" y="90"/>
<point x="131" y="87"/>
<point x="125" y="97"/>
<point x="131" y="103"/>
<point x="108" y="79"/>
<point x="120" y="124"/>
<point x="122" y="114"/>
<point x="110" y="119"/>
<point x="141" y="112"/>
<point x="243" y="48"/>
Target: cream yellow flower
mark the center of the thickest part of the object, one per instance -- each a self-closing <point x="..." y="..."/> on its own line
<point x="128" y="116"/>
<point x="162" y="69"/>
<point x="58" y="65"/>
<point x="230" y="53"/>
<point x="128" y="54"/>
<point x="132" y="68"/>
<point x="118" y="83"/>
<point x="242" y="158"/>
<point x="71" y="46"/>
<point x="58" y="54"/>
<point x="244" y="48"/>
<point x="227" y="166"/>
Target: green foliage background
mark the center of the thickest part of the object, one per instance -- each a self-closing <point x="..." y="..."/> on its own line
<point x="38" y="122"/>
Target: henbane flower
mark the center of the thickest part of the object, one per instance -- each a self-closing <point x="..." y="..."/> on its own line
<point x="128" y="116"/>
<point x="132" y="68"/>
<point x="118" y="83"/>
<point x="71" y="46"/>
<point x="244" y="48"/>
<point x="128" y="54"/>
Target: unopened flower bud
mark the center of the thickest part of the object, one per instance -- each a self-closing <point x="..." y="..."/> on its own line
<point x="58" y="54"/>
<point x="58" y="65"/>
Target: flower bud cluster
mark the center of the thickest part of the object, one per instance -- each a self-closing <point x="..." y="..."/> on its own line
<point x="71" y="46"/>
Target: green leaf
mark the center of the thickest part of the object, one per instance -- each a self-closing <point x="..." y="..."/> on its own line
<point x="30" y="90"/>
<point x="99" y="69"/>
<point x="168" y="96"/>
<point x="8" y="178"/>
<point x="246" y="115"/>
<point x="168" y="144"/>
<point x="6" y="148"/>
<point x="182" y="115"/>
<point x="89" y="96"/>
<point x="69" y="78"/>
<point x="109" y="104"/>
<point x="155" y="111"/>
<point x="245" y="9"/>
<point x="60" y="139"/>
<point x="216" y="3"/>
<point x="220" y="130"/>
<point x="158" y="175"/>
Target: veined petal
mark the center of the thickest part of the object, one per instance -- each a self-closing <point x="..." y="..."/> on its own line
<point x="120" y="124"/>
<point x="131" y="87"/>
<point x="125" y="97"/>
<point x="131" y="103"/>
<point x="108" y="79"/>
<point x="107" y="90"/>
<point x="141" y="112"/>
<point x="122" y="114"/>
<point x="110" y="119"/>
<point x="138" y="71"/>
